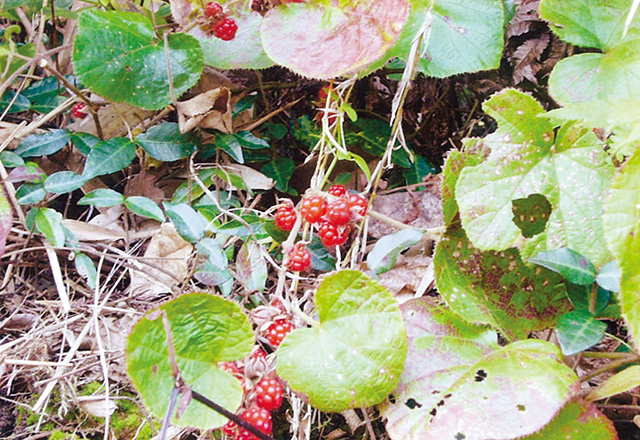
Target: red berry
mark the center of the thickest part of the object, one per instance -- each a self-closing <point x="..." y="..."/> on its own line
<point x="359" y="202"/>
<point x="286" y="217"/>
<point x="225" y="29"/>
<point x="231" y="367"/>
<point x="338" y="212"/>
<point x="213" y="11"/>
<point x="79" y="110"/>
<point x="332" y="235"/>
<point x="258" y="417"/>
<point x="313" y="208"/>
<point x="230" y="428"/>
<point x="299" y="259"/>
<point x="337" y="190"/>
<point x="277" y="331"/>
<point x="269" y="394"/>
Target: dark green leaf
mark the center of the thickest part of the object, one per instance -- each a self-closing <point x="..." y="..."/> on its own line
<point x="84" y="142"/>
<point x="187" y="221"/>
<point x="418" y="171"/>
<point x="144" y="207"/>
<point x="579" y="330"/>
<point x="45" y="95"/>
<point x="205" y="329"/>
<point x="230" y="145"/>
<point x="280" y="170"/>
<point x="102" y="198"/>
<point x="165" y="142"/>
<point x="248" y="140"/>
<point x="20" y="104"/>
<point x="386" y="250"/>
<point x="245" y="103"/>
<point x="109" y="157"/>
<point x="274" y="232"/>
<point x="321" y="258"/>
<point x="117" y="54"/>
<point x="49" y="223"/>
<point x="43" y="144"/>
<point x="574" y="267"/>
<point x="31" y="193"/>
<point x="580" y="296"/>
<point x="64" y="182"/>
<point x="531" y="214"/>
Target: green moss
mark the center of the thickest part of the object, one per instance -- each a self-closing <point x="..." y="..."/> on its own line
<point x="59" y="435"/>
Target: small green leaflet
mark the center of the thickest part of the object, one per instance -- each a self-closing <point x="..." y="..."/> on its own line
<point x="187" y="221"/>
<point x="579" y="330"/>
<point x="165" y="142"/>
<point x="206" y="329"/>
<point x="386" y="250"/>
<point x="109" y="157"/>
<point x="86" y="268"/>
<point x="574" y="267"/>
<point x="49" y="223"/>
<point x="355" y="355"/>
<point x="609" y="277"/>
<point x="64" y="182"/>
<point x="102" y="198"/>
<point x="144" y="207"/>
<point x="36" y="145"/>
<point x="118" y="55"/>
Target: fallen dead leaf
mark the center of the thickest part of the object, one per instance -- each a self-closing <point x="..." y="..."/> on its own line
<point x="169" y="252"/>
<point x="253" y="179"/>
<point x="421" y="210"/>
<point x="211" y="109"/>
<point x="97" y="406"/>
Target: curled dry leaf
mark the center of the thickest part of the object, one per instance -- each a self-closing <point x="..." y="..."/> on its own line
<point x="111" y="119"/>
<point x="252" y="179"/>
<point x="166" y="251"/>
<point x="210" y="109"/>
<point x="97" y="406"/>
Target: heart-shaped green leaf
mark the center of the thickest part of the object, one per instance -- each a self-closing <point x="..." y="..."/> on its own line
<point x="622" y="229"/>
<point x="206" y="329"/>
<point x="354" y="357"/>
<point x="118" y="55"/>
<point x="458" y="383"/>
<point x="527" y="157"/>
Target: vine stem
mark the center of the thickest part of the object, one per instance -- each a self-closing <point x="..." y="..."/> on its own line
<point x="433" y="233"/>
<point x="611" y="366"/>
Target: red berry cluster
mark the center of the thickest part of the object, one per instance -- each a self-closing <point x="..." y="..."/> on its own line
<point x="333" y="214"/>
<point x="220" y="25"/>
<point x="262" y="395"/>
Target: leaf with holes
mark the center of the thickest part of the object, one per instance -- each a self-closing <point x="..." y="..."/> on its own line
<point x="622" y="229"/>
<point x="569" y="168"/>
<point x="118" y="55"/>
<point x="354" y="356"/>
<point x="324" y="40"/>
<point x="165" y="142"/>
<point x="109" y="157"/>
<point x="206" y="329"/>
<point x="471" y="388"/>
<point x="497" y="288"/>
<point x="574" y="267"/>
